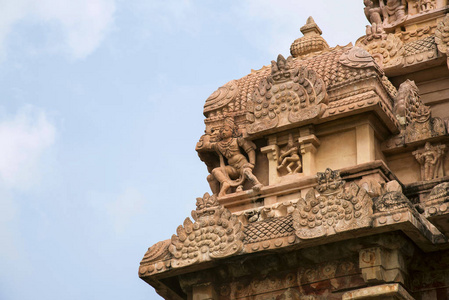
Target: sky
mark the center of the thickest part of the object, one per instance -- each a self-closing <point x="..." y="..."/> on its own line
<point x="100" y="109"/>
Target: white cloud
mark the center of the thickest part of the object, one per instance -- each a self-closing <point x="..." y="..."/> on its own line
<point x="24" y="138"/>
<point x="83" y="23"/>
<point x="127" y="205"/>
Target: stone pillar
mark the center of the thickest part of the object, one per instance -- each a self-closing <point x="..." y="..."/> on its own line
<point x="382" y="265"/>
<point x="365" y="143"/>
<point x="272" y="152"/>
<point x="308" y="146"/>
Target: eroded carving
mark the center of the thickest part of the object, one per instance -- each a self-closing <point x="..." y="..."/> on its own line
<point x="334" y="209"/>
<point x="414" y="116"/>
<point x="431" y="160"/>
<point x="373" y="14"/>
<point x="216" y="233"/>
<point x="442" y="37"/>
<point x="234" y="167"/>
<point x="393" y="11"/>
<point x="222" y="96"/>
<point x="289" y="95"/>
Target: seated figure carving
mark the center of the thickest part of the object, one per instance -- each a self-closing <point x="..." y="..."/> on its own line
<point x="234" y="167"/>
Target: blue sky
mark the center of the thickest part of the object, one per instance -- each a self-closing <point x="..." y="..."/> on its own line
<point x="100" y="110"/>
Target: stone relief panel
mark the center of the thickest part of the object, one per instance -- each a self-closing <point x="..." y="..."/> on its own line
<point x="331" y="208"/>
<point x="287" y="96"/>
<point x="431" y="160"/>
<point x="234" y="168"/>
<point x="216" y="233"/>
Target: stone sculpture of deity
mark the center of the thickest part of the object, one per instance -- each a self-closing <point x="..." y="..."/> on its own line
<point x="430" y="159"/>
<point x="289" y="157"/>
<point x="234" y="167"/>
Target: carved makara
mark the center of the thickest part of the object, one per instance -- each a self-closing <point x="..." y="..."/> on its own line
<point x="332" y="208"/>
<point x="289" y="95"/>
<point x="216" y="233"/>
<point x="431" y="160"/>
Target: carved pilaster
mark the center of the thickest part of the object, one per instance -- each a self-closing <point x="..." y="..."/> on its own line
<point x="272" y="152"/>
<point x="308" y="147"/>
<point x="381" y="265"/>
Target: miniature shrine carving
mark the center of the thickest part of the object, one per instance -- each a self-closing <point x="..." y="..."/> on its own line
<point x="335" y="209"/>
<point x="289" y="158"/>
<point x="289" y="95"/>
<point x="234" y="167"/>
<point x="216" y="233"/>
<point x="431" y="160"/>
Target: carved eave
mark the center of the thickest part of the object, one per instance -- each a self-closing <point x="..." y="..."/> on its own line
<point x="292" y="226"/>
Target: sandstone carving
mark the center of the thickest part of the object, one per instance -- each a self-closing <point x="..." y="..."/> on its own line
<point x="216" y="233"/>
<point x="289" y="95"/>
<point x="158" y="251"/>
<point x="335" y="209"/>
<point x="311" y="42"/>
<point x="221" y="97"/>
<point x="289" y="158"/>
<point x="387" y="49"/>
<point x="234" y="167"/>
<point x="393" y="11"/>
<point x="442" y="37"/>
<point x="414" y="116"/>
<point x="426" y="5"/>
<point x="439" y="194"/>
<point x="373" y="14"/>
<point x="431" y="160"/>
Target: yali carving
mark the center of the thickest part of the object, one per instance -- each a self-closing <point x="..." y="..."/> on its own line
<point x="216" y="233"/>
<point x="334" y="209"/>
<point x="289" y="95"/>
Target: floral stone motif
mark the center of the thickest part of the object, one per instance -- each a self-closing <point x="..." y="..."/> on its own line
<point x="289" y="95"/>
<point x="216" y="233"/>
<point x="334" y="209"/>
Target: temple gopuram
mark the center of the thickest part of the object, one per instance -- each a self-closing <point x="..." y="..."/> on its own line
<point x="328" y="171"/>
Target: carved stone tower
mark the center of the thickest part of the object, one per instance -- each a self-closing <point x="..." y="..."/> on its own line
<point x="327" y="171"/>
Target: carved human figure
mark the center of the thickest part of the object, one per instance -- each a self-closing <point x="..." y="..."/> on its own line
<point x="393" y="11"/>
<point x="289" y="157"/>
<point x="430" y="160"/>
<point x="237" y="169"/>
<point x="425" y="5"/>
<point x="373" y="14"/>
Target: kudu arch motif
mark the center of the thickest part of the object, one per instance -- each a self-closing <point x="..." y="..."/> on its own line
<point x="289" y="95"/>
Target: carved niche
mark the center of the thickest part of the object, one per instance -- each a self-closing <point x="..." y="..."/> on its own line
<point x="287" y="96"/>
<point x="216" y="233"/>
<point x="431" y="160"/>
<point x="414" y="116"/>
<point x="331" y="208"/>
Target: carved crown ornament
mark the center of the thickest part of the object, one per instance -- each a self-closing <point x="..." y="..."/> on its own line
<point x="216" y="233"/>
<point x="287" y="96"/>
<point x="331" y="208"/>
<point x="442" y="37"/>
